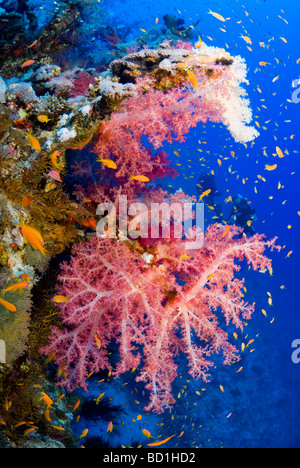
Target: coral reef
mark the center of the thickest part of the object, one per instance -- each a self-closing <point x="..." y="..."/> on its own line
<point x="49" y="107"/>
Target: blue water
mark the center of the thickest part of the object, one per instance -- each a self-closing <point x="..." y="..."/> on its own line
<point x="260" y="405"/>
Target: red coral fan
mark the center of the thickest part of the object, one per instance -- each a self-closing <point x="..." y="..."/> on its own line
<point x="114" y="294"/>
<point x="81" y="84"/>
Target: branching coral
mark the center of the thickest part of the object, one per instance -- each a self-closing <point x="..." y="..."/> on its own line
<point x="114" y="294"/>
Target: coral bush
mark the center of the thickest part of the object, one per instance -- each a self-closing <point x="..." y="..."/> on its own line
<point x="153" y="311"/>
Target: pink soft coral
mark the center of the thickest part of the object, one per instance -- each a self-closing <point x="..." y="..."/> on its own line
<point x="115" y="295"/>
<point x="158" y="115"/>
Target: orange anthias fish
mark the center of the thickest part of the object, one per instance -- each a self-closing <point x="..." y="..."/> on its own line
<point x="227" y="227"/>
<point x="33" y="44"/>
<point x="279" y="152"/>
<point x="60" y="299"/>
<point x="54" y="162"/>
<point x="28" y="63"/>
<point x="108" y="163"/>
<point x="110" y="427"/>
<point x="98" y="341"/>
<point x="88" y="222"/>
<point x="26" y="201"/>
<point x="76" y="405"/>
<point x="14" y="287"/>
<point x="193" y="80"/>
<point x="32" y="237"/>
<point x="84" y="433"/>
<point x="31" y="429"/>
<point x="217" y="15"/>
<point x="199" y="43"/>
<point x="33" y="141"/>
<point x="8" y="305"/>
<point x="155" y="444"/>
<point x="46" y="399"/>
<point x="140" y="178"/>
<point x="270" y="168"/>
<point x="207" y="192"/>
<point x="146" y="433"/>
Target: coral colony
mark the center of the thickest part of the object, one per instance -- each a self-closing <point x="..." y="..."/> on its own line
<point x="152" y="297"/>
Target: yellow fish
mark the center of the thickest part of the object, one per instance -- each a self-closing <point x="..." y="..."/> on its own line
<point x="193" y="80"/>
<point x="146" y="433"/>
<point x="54" y="163"/>
<point x="33" y="141"/>
<point x="43" y="118"/>
<point x="60" y="299"/>
<point x="184" y="256"/>
<point x="8" y="305"/>
<point x="32" y="237"/>
<point x="140" y="178"/>
<point x="207" y="192"/>
<point x="246" y="39"/>
<point x="270" y="168"/>
<point x="199" y="43"/>
<point x="217" y="15"/>
<point x="279" y="152"/>
<point x="108" y="163"/>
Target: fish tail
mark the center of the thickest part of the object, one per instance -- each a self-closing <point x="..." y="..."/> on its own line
<point x="43" y="251"/>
